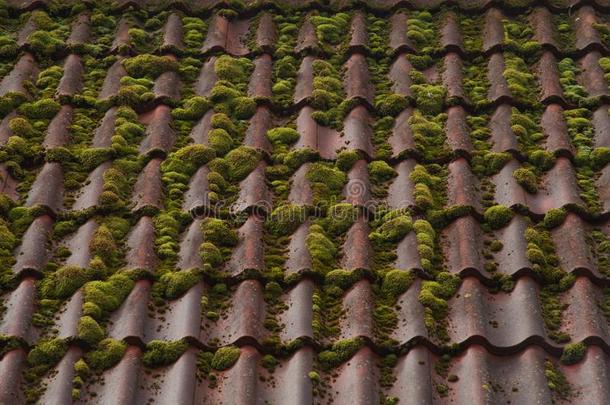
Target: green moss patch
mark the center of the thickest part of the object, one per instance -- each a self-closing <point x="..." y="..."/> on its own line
<point x="160" y="353"/>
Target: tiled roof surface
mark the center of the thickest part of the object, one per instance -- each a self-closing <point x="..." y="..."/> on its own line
<point x="305" y="202"/>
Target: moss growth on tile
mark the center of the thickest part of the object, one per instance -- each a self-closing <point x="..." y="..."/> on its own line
<point x="194" y="33"/>
<point x="498" y="216"/>
<point x="422" y="31"/>
<point x="219" y="232"/>
<point x="573" y="91"/>
<point x="108" y="295"/>
<point x="47" y="353"/>
<point x="393" y="227"/>
<point x="285" y="219"/>
<point x="554" y="217"/>
<point x="556" y="380"/>
<point x="283" y="136"/>
<point x="470" y="28"/>
<point x="433" y="296"/>
<point x="326" y="183"/>
<point x="175" y="284"/>
<point x="331" y="29"/>
<point x="161" y="353"/>
<point x="44" y="108"/>
<point x="339" y="352"/>
<point x="380" y="171"/>
<point x="573" y="353"/>
<point x="225" y="357"/>
<point x="89" y="330"/>
<point x="521" y="82"/>
<point x="519" y="36"/>
<point x="527" y="179"/>
<point x="107" y="354"/>
<point x="65" y="281"/>
<point x="339" y="218"/>
<point x="321" y="248"/>
<point x="429" y="135"/>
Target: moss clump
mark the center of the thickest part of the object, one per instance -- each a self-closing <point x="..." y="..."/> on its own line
<point x="572" y="90"/>
<point x="392" y="229"/>
<point x="391" y="104"/>
<point x="556" y="381"/>
<point x="426" y="236"/>
<point x="331" y="30"/>
<point x="573" y="353"/>
<point x="429" y="135"/>
<point x="518" y="36"/>
<point x="21" y="127"/>
<point x="527" y="179"/>
<point x="47" y="353"/>
<point x="194" y="33"/>
<point x="424" y="184"/>
<point x="162" y="353"/>
<point x="326" y="182"/>
<point x="294" y="159"/>
<point x="108" y="295"/>
<point x="429" y="98"/>
<point x="498" y="216"/>
<point x="283" y="135"/>
<point x="340" y="218"/>
<point x="242" y="161"/>
<point x="210" y="254"/>
<point x="314" y="377"/>
<point x="89" y="330"/>
<point x="395" y="283"/>
<point x="187" y="159"/>
<point x="321" y="249"/>
<point x="192" y="108"/>
<point x="8" y="47"/>
<point x="554" y="217"/>
<point x="380" y="171"/>
<point x="233" y="69"/>
<point x="65" y="281"/>
<point x="217" y="231"/>
<point x="175" y="284"/>
<point x="107" y="353"/>
<point x="343" y="279"/>
<point x="285" y="219"/>
<point x="347" y="158"/>
<point x="147" y="65"/>
<point x="44" y="43"/>
<point x="225" y="357"/>
<point x="339" y="352"/>
<point x="433" y="296"/>
<point x="601" y="157"/>
<point x="422" y="31"/>
<point x="42" y="109"/>
<point x="521" y="83"/>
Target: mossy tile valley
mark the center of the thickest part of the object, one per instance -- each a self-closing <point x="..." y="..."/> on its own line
<point x="305" y="202"/>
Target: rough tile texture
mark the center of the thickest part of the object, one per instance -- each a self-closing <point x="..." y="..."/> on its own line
<point x="305" y="202"/>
